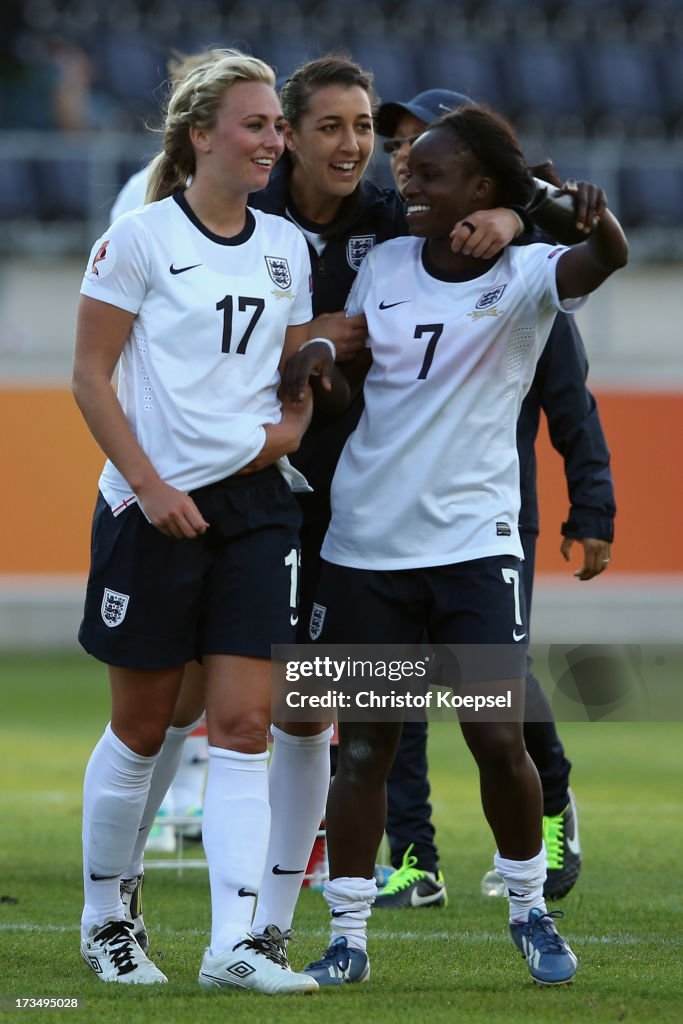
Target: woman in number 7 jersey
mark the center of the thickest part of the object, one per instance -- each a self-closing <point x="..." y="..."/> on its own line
<point x="425" y="501"/>
<point x="195" y="537"/>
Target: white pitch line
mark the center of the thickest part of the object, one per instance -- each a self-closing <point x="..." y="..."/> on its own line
<point x="380" y="936"/>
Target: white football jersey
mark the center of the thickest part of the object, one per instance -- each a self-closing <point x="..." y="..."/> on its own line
<point x="198" y="375"/>
<point x="131" y="195"/>
<point x="430" y="476"/>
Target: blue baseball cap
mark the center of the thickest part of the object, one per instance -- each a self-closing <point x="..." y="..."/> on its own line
<point x="427" y="106"/>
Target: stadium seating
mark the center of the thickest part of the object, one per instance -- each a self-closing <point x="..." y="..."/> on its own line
<point x="670" y="62"/>
<point x="131" y="68"/>
<point x="596" y="72"/>
<point x="624" y="95"/>
<point x="543" y="87"/>
<point x="286" y="52"/>
<point x="652" y="197"/>
<point x="473" y="69"/>
<point x="397" y="75"/>
<point x="18" y="189"/>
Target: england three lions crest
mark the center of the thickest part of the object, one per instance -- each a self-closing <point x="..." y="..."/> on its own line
<point x="486" y="303"/>
<point x="357" y="247"/>
<point x="315" y="626"/>
<point x="279" y="271"/>
<point x="114" y="606"/>
<point x="487" y="299"/>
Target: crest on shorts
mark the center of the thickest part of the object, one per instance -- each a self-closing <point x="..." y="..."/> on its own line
<point x="489" y="298"/>
<point x="279" y="271"/>
<point x="315" y="626"/>
<point x="114" y="607"/>
<point x="357" y="247"/>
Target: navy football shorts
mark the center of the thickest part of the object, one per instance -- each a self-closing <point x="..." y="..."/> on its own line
<point x="154" y="601"/>
<point x="474" y="604"/>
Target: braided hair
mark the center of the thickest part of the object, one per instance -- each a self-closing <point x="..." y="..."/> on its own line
<point x="194" y="101"/>
<point x="494" y="149"/>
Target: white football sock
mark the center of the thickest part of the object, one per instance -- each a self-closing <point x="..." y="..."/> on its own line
<point x="236" y="828"/>
<point x="298" y="783"/>
<point x="166" y="766"/>
<point x="187" y="788"/>
<point x="350" y="901"/>
<point x="114" y="794"/>
<point x="523" y="883"/>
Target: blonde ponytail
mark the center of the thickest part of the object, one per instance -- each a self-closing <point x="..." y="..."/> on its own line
<point x="194" y="101"/>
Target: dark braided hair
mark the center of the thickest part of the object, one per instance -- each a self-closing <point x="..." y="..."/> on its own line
<point x="492" y="142"/>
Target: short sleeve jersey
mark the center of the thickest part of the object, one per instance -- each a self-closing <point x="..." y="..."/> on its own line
<point x="431" y="476"/>
<point x="132" y="195"/>
<point x="198" y="375"/>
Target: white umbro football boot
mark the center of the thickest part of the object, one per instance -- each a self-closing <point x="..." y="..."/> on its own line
<point x="256" y="962"/>
<point x="114" y="955"/>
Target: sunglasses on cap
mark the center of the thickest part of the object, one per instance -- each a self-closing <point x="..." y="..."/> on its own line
<point x="392" y="146"/>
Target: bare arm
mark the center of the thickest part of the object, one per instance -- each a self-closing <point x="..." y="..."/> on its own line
<point x="313" y="364"/>
<point x="585" y="266"/>
<point x="316" y="360"/>
<point x="485" y="232"/>
<point x="295" y="336"/>
<point x="348" y="333"/>
<point x="101" y="333"/>
<point x="285" y="437"/>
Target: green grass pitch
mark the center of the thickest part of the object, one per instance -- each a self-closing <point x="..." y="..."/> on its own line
<point x="624" y="919"/>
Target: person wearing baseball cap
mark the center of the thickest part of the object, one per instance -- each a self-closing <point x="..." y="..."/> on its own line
<point x="559" y="388"/>
<point x="427" y="106"/>
<point x="401" y="123"/>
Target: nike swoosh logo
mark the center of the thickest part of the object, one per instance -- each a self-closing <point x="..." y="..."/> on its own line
<point x="277" y="870"/>
<point x="390" y="305"/>
<point x="416" y="900"/>
<point x="181" y="270"/>
<point x="293" y="619"/>
<point x="573" y="845"/>
<point x="245" y="892"/>
<point x="340" y="913"/>
<point x="517" y="638"/>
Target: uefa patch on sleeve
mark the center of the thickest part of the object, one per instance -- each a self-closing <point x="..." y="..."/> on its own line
<point x="102" y="259"/>
<point x="503" y="530"/>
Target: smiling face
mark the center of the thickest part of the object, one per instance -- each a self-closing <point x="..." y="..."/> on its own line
<point x="408" y="127"/>
<point x="246" y="140"/>
<point x="331" y="145"/>
<point x="445" y="184"/>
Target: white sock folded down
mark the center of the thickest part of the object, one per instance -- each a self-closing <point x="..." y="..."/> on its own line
<point x="350" y="901"/>
<point x="523" y="883"/>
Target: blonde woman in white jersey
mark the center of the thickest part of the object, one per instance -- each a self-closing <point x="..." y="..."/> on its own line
<point x="425" y="503"/>
<point x="195" y="547"/>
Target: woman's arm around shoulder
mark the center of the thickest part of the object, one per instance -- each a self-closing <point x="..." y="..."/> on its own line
<point x="585" y="266"/>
